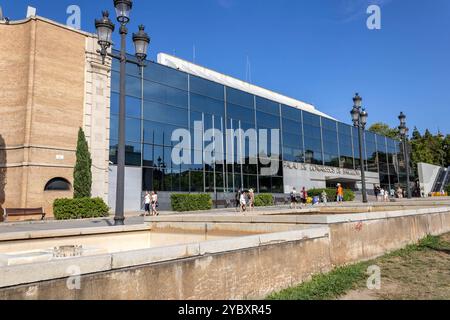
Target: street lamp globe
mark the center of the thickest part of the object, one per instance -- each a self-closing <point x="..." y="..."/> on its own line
<point x="355" y="116"/>
<point x="364" y="117"/>
<point x="141" y="41"/>
<point x="357" y="100"/>
<point x="123" y="8"/>
<point x="402" y="118"/>
<point x="104" y="28"/>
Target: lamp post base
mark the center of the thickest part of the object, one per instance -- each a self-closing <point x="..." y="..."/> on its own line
<point x="119" y="221"/>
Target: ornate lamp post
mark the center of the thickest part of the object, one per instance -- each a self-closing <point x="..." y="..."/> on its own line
<point x="359" y="117"/>
<point x="404" y="135"/>
<point x="141" y="41"/>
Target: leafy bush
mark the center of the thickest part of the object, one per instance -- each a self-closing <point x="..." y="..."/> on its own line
<point x="81" y="208"/>
<point x="263" y="200"/>
<point x="349" y="195"/>
<point x="448" y="189"/>
<point x="191" y="202"/>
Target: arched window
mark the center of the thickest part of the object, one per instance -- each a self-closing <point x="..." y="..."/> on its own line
<point x="57" y="184"/>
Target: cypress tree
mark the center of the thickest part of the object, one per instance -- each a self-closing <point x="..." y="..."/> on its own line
<point x="82" y="173"/>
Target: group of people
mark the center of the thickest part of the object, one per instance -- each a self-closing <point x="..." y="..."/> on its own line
<point x="296" y="197"/>
<point x="383" y="195"/>
<point x="302" y="197"/>
<point x="245" y="200"/>
<point x="151" y="203"/>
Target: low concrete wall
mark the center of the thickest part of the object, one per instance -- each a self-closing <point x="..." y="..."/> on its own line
<point x="249" y="267"/>
<point x="241" y="268"/>
<point x="366" y="239"/>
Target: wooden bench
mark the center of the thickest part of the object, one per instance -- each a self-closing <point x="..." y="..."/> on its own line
<point x="14" y="212"/>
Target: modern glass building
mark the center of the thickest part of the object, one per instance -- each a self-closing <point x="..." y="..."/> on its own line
<point x="161" y="99"/>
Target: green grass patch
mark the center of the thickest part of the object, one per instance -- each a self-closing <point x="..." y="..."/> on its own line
<point x="326" y="286"/>
<point x="344" y="279"/>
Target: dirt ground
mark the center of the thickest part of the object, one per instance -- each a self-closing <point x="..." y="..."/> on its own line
<point x="415" y="275"/>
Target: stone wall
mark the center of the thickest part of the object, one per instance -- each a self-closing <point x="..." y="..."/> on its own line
<point x="42" y="106"/>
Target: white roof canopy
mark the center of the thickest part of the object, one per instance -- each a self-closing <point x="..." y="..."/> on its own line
<point x="191" y="68"/>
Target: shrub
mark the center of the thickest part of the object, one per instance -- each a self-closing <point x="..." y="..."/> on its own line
<point x="263" y="200"/>
<point x="81" y="208"/>
<point x="448" y="189"/>
<point x="82" y="175"/>
<point x="191" y="202"/>
<point x="349" y="195"/>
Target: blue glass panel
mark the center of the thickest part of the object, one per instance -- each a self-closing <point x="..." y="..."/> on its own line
<point x="330" y="147"/>
<point x="267" y="106"/>
<point x="311" y="131"/>
<point x="114" y="124"/>
<point x="239" y="97"/>
<point x="292" y="126"/>
<point x="313" y="144"/>
<point x="206" y="88"/>
<point x="164" y="113"/>
<point x="133" y="130"/>
<point x="329" y="135"/>
<point x="165" y="75"/>
<point x="344" y="129"/>
<point x="311" y="119"/>
<point x="267" y="121"/>
<point x="115" y="81"/>
<point x="207" y="105"/>
<point x="158" y="133"/>
<point x="114" y="103"/>
<point x="292" y="140"/>
<point x="328" y="124"/>
<point x="133" y="154"/>
<point x="156" y="92"/>
<point x="291" y="113"/>
<point x="133" y="87"/>
<point x="236" y="112"/>
<point x="132" y="106"/>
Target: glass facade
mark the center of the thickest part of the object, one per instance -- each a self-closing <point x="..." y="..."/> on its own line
<point x="161" y="99"/>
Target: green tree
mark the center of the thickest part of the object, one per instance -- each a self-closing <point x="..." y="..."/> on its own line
<point x="446" y="147"/>
<point x="384" y="130"/>
<point x="82" y="173"/>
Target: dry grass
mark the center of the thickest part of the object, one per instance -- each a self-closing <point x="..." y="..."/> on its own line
<point x="415" y="273"/>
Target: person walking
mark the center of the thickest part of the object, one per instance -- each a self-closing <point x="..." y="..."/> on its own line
<point x="251" y="199"/>
<point x="304" y="196"/>
<point x="324" y="197"/>
<point x="147" y="202"/>
<point x="237" y="199"/>
<point x="243" y="202"/>
<point x="386" y="196"/>
<point x="339" y="193"/>
<point x="294" y="200"/>
<point x="382" y="195"/>
<point x="377" y="192"/>
<point x="154" y="203"/>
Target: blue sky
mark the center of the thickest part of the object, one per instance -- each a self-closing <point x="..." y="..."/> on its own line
<point x="318" y="51"/>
